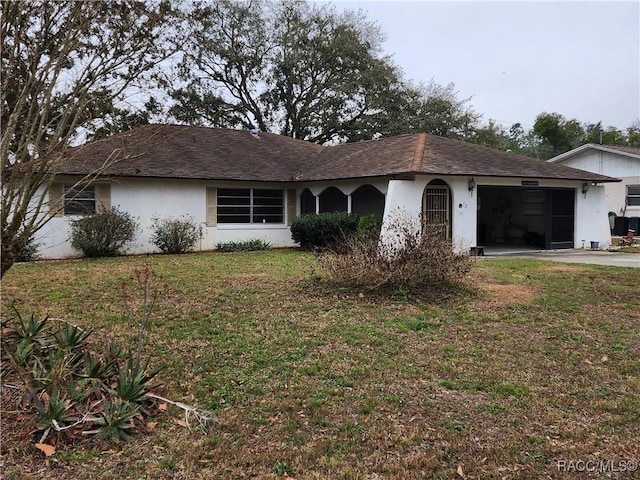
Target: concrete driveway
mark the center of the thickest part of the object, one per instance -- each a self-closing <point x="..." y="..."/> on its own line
<point x="596" y="257"/>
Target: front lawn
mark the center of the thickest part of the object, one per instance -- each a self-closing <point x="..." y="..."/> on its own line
<point x="535" y="365"/>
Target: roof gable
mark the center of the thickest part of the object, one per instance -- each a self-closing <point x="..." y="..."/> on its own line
<point x="633" y="152"/>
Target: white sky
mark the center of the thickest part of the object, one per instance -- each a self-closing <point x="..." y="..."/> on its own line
<point x="517" y="59"/>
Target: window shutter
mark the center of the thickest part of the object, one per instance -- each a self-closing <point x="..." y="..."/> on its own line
<point x="103" y="198"/>
<point x="212" y="206"/>
<point x="56" y="200"/>
<point x="291" y="205"/>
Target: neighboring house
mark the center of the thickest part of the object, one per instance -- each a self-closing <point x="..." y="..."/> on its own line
<point x="240" y="185"/>
<point x="615" y="161"/>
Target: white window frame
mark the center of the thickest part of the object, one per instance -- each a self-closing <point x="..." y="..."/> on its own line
<point x="253" y="216"/>
<point x="633" y="193"/>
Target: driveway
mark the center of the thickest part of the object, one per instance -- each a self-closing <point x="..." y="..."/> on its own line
<point x="596" y="257"/>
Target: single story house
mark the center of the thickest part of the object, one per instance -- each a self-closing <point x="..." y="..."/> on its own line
<point x="614" y="161"/>
<point x="241" y="185"/>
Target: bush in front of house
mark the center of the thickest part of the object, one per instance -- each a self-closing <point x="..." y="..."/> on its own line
<point x="103" y="234"/>
<point x="175" y="235"/>
<point x="321" y="231"/>
<point x="369" y="224"/>
<point x="407" y="258"/>
<point x="246" y="246"/>
<point x="29" y="252"/>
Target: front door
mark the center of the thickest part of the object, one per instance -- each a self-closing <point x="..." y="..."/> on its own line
<point x="436" y="208"/>
<point x="560" y="213"/>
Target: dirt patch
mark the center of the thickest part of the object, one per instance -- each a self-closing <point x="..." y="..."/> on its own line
<point x="498" y="294"/>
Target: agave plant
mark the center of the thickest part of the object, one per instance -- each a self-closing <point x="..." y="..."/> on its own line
<point x="53" y="412"/>
<point x="116" y="419"/>
<point x="114" y="354"/>
<point x="71" y="338"/>
<point x="21" y="353"/>
<point x="133" y="384"/>
<point x="33" y="331"/>
<point x="94" y="367"/>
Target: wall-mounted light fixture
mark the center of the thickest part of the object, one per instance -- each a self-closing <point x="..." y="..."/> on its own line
<point x="585" y="188"/>
<point x="472" y="185"/>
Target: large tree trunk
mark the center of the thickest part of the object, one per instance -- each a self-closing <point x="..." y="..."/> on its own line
<point x="9" y="254"/>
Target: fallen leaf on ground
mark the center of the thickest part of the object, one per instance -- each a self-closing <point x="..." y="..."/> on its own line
<point x="182" y="423"/>
<point x="460" y="472"/>
<point x="46" y="448"/>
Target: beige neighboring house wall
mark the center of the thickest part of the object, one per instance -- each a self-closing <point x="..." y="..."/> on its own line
<point x="613" y="161"/>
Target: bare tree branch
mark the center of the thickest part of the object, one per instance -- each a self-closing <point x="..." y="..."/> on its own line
<point x="65" y="66"/>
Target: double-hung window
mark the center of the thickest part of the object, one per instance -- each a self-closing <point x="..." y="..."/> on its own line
<point x="250" y="205"/>
<point x="633" y="195"/>
<point x="79" y="201"/>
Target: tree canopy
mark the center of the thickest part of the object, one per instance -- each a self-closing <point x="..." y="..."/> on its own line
<point x="291" y="67"/>
<point x="553" y="134"/>
<point x="306" y="71"/>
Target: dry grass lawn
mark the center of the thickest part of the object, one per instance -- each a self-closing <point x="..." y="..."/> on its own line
<point x="532" y="364"/>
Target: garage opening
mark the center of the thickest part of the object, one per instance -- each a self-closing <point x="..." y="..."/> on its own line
<point x="534" y="218"/>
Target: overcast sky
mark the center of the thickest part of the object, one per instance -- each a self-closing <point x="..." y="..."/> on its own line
<point x="518" y="59"/>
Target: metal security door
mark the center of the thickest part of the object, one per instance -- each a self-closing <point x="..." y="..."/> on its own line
<point x="437" y="209"/>
<point x="560" y="218"/>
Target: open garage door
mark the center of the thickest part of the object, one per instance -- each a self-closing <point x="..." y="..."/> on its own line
<point x="524" y="217"/>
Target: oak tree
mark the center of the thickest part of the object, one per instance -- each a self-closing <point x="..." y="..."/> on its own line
<point x="293" y="67"/>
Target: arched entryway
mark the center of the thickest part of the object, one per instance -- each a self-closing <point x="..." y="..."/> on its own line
<point x="436" y="207"/>
<point x="367" y="199"/>
<point x="333" y="200"/>
<point x="307" y="202"/>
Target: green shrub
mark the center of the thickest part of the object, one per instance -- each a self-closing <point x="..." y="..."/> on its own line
<point x="103" y="234"/>
<point x="175" y="235"/>
<point x="369" y="224"/>
<point x="246" y="246"/>
<point x="323" y="230"/>
<point x="29" y="252"/>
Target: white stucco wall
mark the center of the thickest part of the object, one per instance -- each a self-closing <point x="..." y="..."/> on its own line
<point x="405" y="196"/>
<point x="345" y="186"/>
<point x="591" y="218"/>
<point x="148" y="198"/>
<point x="613" y="165"/>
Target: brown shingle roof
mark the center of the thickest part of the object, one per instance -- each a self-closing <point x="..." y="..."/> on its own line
<point x="430" y="154"/>
<point x="174" y="151"/>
